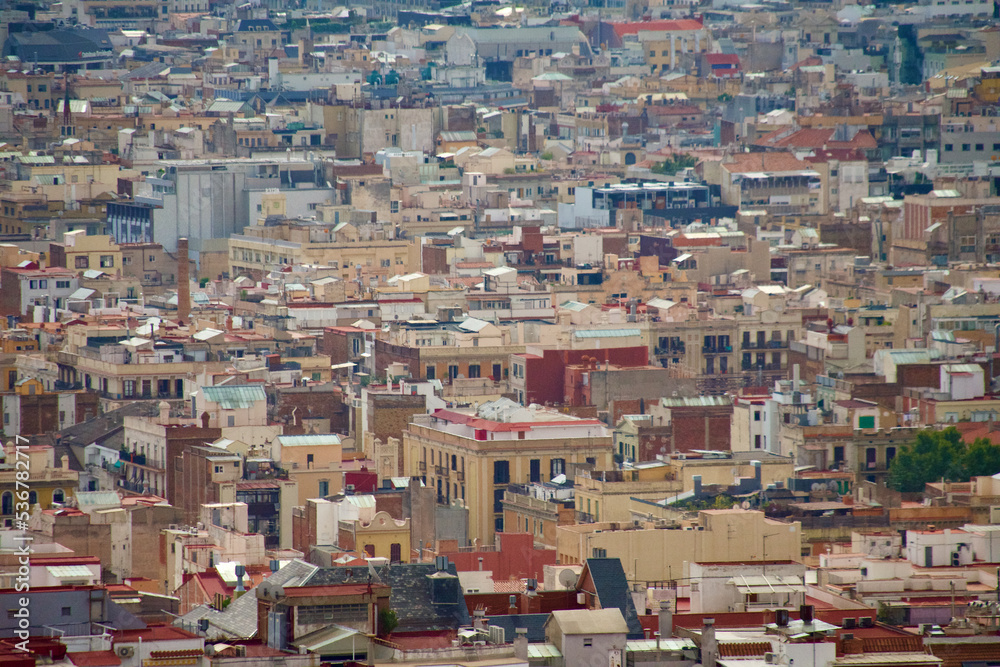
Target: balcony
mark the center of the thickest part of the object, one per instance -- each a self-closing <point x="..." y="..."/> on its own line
<point x="764" y="344"/>
<point x="422" y="467"/>
<point x="716" y="349"/>
<point x="460" y="475"/>
<point x="440" y="471"/>
<point x="760" y="367"/>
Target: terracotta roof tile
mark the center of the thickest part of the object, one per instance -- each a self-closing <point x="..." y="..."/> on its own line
<point x="750" y="162"/>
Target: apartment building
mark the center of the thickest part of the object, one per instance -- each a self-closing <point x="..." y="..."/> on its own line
<point x="471" y="456"/>
<point x="336" y="245"/>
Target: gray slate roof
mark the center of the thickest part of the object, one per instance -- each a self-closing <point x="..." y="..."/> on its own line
<point x="613" y="591"/>
<point x="239" y="619"/>
<point x="410" y="596"/>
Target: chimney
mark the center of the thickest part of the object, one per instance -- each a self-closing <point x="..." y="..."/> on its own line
<point x="709" y="646"/>
<point x="757" y="473"/>
<point x="479" y="619"/>
<point x="666" y="617"/>
<point x="164" y="412"/>
<point x="183" y="281"/>
<point x="240" y="571"/>
<point x="64" y="462"/>
<point x="806" y="613"/>
<point x="512" y="605"/>
<point x="696" y="479"/>
<point x="851" y="645"/>
<point x="521" y="644"/>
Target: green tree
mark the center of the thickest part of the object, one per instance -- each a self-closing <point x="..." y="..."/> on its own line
<point x="672" y="165"/>
<point x="937" y="455"/>
<point x="982" y="458"/>
<point x="387" y="622"/>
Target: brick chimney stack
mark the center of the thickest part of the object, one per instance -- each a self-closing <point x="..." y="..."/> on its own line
<point x="183" y="281"/>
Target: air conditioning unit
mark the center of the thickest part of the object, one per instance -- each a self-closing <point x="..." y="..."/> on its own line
<point x="125" y="651"/>
<point x="771" y="658"/>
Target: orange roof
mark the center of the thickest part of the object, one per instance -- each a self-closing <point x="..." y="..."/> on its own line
<point x="635" y="27"/>
<point x="94" y="659"/>
<point x="815" y="137"/>
<point x="750" y="162"/>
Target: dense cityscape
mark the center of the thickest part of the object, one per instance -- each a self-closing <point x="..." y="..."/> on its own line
<point x="619" y="333"/>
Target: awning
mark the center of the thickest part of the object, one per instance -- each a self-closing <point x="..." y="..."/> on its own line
<point x="70" y="571"/>
<point x="754" y="585"/>
<point x="683" y="258"/>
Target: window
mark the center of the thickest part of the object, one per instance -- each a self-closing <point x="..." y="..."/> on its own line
<point x="62" y="284"/>
<point x="430" y="372"/>
<point x="324" y="488"/>
<point x="756" y="415"/>
<point x="82" y="262"/>
<point x="756" y="442"/>
<point x="557" y="467"/>
<point x="501" y="472"/>
<point x="588" y="641"/>
<point x="395" y="552"/>
<point x="473" y="370"/>
<point x="966" y="147"/>
<point x="949" y="148"/>
<point x="107" y="261"/>
<point x="67" y="611"/>
<point x="535" y="470"/>
<point x="219" y="469"/>
<point x="979" y="147"/>
<point x="333" y="613"/>
<point x="230" y="420"/>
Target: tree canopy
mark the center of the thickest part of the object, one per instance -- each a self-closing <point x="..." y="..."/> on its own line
<point x="674" y="164"/>
<point x="937" y="455"/>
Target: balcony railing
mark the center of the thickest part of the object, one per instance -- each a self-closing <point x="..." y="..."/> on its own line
<point x="772" y="344"/>
<point x="760" y="367"/>
<point x="716" y="349"/>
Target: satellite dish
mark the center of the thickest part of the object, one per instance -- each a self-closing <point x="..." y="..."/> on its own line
<point x="568" y="578"/>
<point x="736" y="506"/>
<point x="817" y="486"/>
<point x="832" y="484"/>
<point x="746" y="505"/>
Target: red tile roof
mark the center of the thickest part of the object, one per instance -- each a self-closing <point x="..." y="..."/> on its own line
<point x="488" y="425"/>
<point x="722" y="59"/>
<point x="750" y="162"/>
<point x="814" y="137"/>
<point x="156" y="632"/>
<point x="622" y="29"/>
<point x="94" y="659"/>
